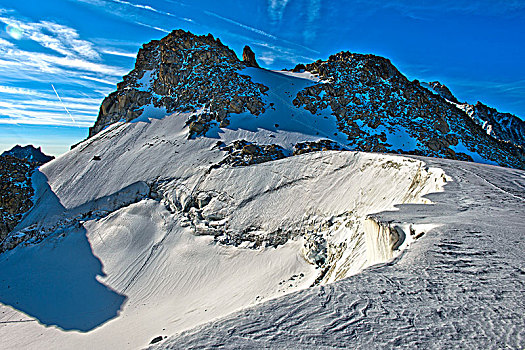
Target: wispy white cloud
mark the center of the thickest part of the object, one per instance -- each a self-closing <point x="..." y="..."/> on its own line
<point x="65" y="58"/>
<point x="103" y="81"/>
<point x="42" y="96"/>
<point x="276" y="9"/>
<point x="312" y="15"/>
<point x="142" y="15"/>
<point x="119" y="53"/>
<point x="152" y="9"/>
<point x="152" y="27"/>
<point x="255" y="30"/>
<point x="261" y="32"/>
<point x="267" y="57"/>
<point x="5" y="43"/>
<point x="28" y="60"/>
<point x="57" y="37"/>
<point x="25" y="113"/>
<point x="284" y="53"/>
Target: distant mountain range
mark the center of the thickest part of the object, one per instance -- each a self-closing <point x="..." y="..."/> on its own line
<point x="29" y="153"/>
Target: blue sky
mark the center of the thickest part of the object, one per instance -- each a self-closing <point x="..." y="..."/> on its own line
<point x="60" y="58"/>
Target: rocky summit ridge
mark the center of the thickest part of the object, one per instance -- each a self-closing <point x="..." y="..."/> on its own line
<point x="376" y="107"/>
<point x="183" y="72"/>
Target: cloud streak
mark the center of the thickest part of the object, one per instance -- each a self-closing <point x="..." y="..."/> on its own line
<point x="119" y="53"/>
<point x="62" y="103"/>
<point x="64" y="58"/>
<point x="252" y="29"/>
<point x="276" y="9"/>
<point x="59" y="38"/>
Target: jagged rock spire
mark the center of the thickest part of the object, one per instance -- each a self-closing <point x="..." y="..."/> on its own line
<point x="248" y="57"/>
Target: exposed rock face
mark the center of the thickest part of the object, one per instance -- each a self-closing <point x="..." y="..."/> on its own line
<point x="443" y="91"/>
<point x="242" y="153"/>
<point x="15" y="191"/>
<point x="372" y="101"/>
<point x="376" y="106"/>
<point x="16" y="167"/>
<point x="501" y="126"/>
<point x="321" y="145"/>
<point x="29" y="153"/>
<point x="248" y="57"/>
<point x="299" y="68"/>
<point x="182" y="72"/>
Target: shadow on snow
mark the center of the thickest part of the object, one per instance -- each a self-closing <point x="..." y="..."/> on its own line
<point x="56" y="281"/>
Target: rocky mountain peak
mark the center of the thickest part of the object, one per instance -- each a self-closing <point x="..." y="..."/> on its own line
<point x="380" y="110"/>
<point x="29" y="153"/>
<point x="374" y="105"/>
<point x="248" y="57"/>
<point x="443" y="91"/>
<point x="182" y="72"/>
<point x="502" y="126"/>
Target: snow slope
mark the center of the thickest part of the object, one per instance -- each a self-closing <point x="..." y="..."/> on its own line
<point x="153" y="239"/>
<point x="459" y="286"/>
<point x="141" y="231"/>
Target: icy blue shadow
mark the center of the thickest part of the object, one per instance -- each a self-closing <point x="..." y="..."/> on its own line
<point x="56" y="282"/>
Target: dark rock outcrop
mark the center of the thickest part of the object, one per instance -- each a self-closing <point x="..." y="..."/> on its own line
<point x="29" y="153"/>
<point x="16" y="191"/>
<point x="242" y="153"/>
<point x="16" y="168"/>
<point x="248" y="57"/>
<point x="321" y="145"/>
<point x="370" y="99"/>
<point x="299" y="68"/>
<point x="183" y="72"/>
<point x="443" y="91"/>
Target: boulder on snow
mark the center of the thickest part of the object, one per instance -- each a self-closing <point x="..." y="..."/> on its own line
<point x="157" y="339"/>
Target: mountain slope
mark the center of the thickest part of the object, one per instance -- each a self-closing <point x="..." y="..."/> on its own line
<point x="459" y="286"/>
<point x="209" y="186"/>
<point x="153" y="236"/>
<point x="367" y="103"/>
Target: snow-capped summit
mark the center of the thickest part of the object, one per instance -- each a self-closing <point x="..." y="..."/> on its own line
<point x="210" y="190"/>
<point x="366" y="103"/>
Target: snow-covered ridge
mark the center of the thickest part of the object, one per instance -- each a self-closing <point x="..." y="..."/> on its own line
<point x="195" y="200"/>
<point x="501" y="126"/>
<point x="367" y="104"/>
<point x="460" y="286"/>
<point x="184" y="241"/>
